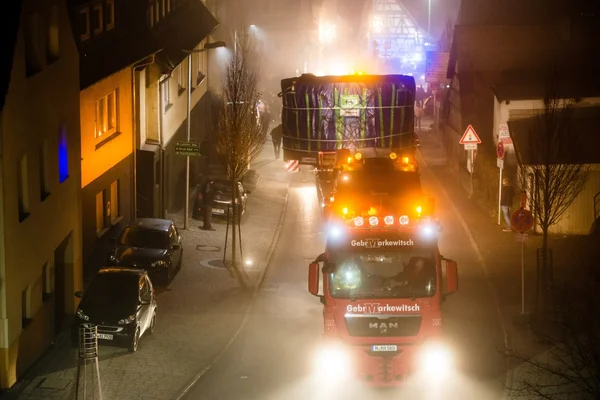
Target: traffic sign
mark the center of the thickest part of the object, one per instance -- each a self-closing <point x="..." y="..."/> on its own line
<point x="187" y="149"/>
<point x="470" y="136"/>
<point x="500" y="163"/>
<point x="521" y="220"/>
<point x="500" y="150"/>
<point x="522" y="237"/>
<point x="470" y="146"/>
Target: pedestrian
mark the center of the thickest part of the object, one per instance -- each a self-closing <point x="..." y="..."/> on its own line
<point x="419" y="112"/>
<point x="506" y="200"/>
<point x="277" y="137"/>
<point x="265" y="121"/>
<point x="208" y="196"/>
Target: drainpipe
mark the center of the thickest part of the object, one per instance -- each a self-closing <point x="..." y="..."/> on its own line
<point x="161" y="150"/>
<point x="3" y="314"/>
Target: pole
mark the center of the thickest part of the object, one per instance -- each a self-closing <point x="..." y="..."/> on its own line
<point x="472" y="171"/>
<point x="235" y="42"/>
<point x="522" y="277"/>
<point x="500" y="196"/>
<point x="429" y="19"/>
<point x="188" y="138"/>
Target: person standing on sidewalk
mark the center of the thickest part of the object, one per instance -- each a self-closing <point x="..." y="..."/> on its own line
<point x="208" y="196"/>
<point x="506" y="200"/>
<point x="419" y="112"/>
<point x="276" y="137"/>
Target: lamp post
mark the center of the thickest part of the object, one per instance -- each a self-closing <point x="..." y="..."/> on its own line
<point x="207" y="46"/>
<point x="429" y="19"/>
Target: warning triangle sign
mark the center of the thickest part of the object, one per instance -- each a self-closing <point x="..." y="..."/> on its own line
<point x="470" y="136"/>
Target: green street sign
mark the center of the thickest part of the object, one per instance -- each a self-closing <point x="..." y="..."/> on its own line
<point x="187" y="149"/>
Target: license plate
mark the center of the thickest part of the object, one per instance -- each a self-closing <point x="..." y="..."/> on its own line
<point x="218" y="211"/>
<point x="384" y="347"/>
<point x="105" y="336"/>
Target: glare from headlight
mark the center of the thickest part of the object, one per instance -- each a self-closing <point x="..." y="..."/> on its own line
<point x="436" y="359"/>
<point x="332" y="362"/>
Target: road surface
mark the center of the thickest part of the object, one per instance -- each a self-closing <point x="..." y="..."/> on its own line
<point x="271" y="357"/>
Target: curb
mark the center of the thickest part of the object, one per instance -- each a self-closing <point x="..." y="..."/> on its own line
<point x="473" y="242"/>
<point x="183" y="393"/>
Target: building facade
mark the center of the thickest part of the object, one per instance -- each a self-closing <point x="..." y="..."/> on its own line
<point x="161" y="107"/>
<point x="40" y="202"/>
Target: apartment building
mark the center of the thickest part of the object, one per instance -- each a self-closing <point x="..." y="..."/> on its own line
<point x="40" y="202"/>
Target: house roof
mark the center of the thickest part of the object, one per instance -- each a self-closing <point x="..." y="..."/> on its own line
<point x="10" y="19"/>
<point x="194" y="23"/>
<point x="577" y="143"/>
<point x="529" y="85"/>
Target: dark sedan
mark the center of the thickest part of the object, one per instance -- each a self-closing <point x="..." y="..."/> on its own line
<point x="151" y="244"/>
<point x="222" y="200"/>
<point x="121" y="303"/>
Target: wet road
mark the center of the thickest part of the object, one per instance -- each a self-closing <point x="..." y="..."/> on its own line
<point x="271" y="357"/>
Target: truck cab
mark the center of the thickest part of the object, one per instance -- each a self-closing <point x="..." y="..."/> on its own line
<point x="383" y="285"/>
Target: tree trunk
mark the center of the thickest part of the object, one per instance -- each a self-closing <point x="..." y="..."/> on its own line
<point x="234" y="264"/>
<point x="542" y="275"/>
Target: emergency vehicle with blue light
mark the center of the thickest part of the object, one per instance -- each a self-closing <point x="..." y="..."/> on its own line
<point x="384" y="282"/>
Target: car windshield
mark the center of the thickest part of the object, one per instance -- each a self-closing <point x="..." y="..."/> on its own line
<point x="144" y="238"/>
<point x="222" y="187"/>
<point x="113" y="290"/>
<point x="391" y="183"/>
<point x="387" y="274"/>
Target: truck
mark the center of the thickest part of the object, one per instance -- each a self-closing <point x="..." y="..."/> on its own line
<point x="323" y="114"/>
<point x="383" y="285"/>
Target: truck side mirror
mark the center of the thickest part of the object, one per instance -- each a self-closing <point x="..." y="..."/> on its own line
<point x="451" y="277"/>
<point x="313" y="279"/>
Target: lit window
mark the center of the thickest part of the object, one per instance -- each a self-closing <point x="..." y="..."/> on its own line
<point x="84" y="24"/>
<point x="110" y="14"/>
<point x="106" y="118"/>
<point x="63" y="155"/>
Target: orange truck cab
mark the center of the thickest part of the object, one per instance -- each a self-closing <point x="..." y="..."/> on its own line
<point x="383" y="285"/>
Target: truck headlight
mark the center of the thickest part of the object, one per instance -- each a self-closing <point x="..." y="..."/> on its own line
<point x="332" y="361"/>
<point x="435" y="359"/>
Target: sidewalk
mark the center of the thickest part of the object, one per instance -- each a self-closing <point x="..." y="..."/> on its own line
<point x="500" y="251"/>
<point x="198" y="313"/>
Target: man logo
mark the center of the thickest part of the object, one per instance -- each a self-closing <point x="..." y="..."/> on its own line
<point x="383" y="326"/>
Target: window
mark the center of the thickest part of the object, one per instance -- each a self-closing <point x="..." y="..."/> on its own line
<point x="84" y="24"/>
<point x="63" y="155"/>
<point x="110" y="14"/>
<point x="114" y="199"/>
<point x="99" y="211"/>
<point x="23" y="188"/>
<point x="106" y="120"/>
<point x="166" y="96"/>
<point x="180" y="79"/>
<point x="25" y="305"/>
<point x="43" y="164"/>
<point x="200" y="64"/>
<point x="33" y="61"/>
<point x="98" y="18"/>
<point x="52" y="46"/>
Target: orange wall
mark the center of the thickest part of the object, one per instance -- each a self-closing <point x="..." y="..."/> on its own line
<point x="96" y="161"/>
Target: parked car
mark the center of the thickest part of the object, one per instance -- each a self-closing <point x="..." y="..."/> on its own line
<point x="222" y="200"/>
<point x="152" y="244"/>
<point x="122" y="303"/>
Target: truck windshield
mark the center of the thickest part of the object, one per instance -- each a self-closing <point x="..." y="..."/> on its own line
<point x="390" y="183"/>
<point x="405" y="274"/>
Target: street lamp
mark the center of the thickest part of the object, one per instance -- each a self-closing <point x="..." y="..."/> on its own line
<point x="429" y="19"/>
<point x="207" y="46"/>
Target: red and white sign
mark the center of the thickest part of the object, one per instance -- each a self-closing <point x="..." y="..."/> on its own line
<point x="500" y="150"/>
<point x="292" y="165"/>
<point x="504" y="134"/>
<point x="470" y="136"/>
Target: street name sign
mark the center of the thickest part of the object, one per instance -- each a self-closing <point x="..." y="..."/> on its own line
<point x="187" y="149"/>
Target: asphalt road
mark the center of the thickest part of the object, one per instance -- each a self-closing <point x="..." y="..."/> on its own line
<point x="271" y="357"/>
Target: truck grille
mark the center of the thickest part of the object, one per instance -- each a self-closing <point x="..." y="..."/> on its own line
<point x="383" y="327"/>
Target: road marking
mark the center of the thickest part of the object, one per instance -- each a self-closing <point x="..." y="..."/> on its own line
<point x="256" y="289"/>
<point x="465" y="226"/>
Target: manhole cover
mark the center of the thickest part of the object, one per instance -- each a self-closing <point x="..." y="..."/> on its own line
<point x="217" y="264"/>
<point x="207" y="248"/>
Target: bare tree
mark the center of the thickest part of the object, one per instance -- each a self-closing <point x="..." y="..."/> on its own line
<point x="569" y="366"/>
<point x="551" y="175"/>
<point x="240" y="138"/>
